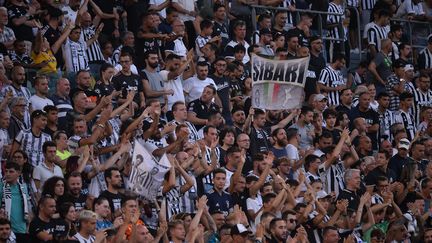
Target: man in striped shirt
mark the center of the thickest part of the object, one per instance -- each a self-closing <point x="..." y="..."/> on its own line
<point x="61" y="99"/>
<point x="404" y="116"/>
<point x="31" y="141"/>
<point x="425" y="57"/>
<point x="422" y="96"/>
<point x="377" y="31"/>
<point x="94" y="52"/>
<point x="332" y="81"/>
<point x="87" y="231"/>
<point x="334" y="24"/>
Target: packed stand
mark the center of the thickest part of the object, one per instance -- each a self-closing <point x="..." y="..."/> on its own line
<point x="83" y="83"/>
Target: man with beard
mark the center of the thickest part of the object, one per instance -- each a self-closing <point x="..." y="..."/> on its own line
<point x="18" y="77"/>
<point x="316" y="64"/>
<point x="346" y="98"/>
<point x="352" y="189"/>
<point x="113" y="180"/>
<point x="243" y="142"/>
<point x="83" y="82"/>
<point x="214" y="119"/>
<point x="305" y="128"/>
<point x="153" y="80"/>
<point x="279" y="231"/>
<point x="42" y="227"/>
<point x="179" y="111"/>
<point x="199" y="110"/>
<point x="280" y="138"/>
<point x="223" y="86"/>
<point x="74" y="194"/>
<point x="39" y="100"/>
<point x="386" y="117"/>
<point x="194" y="86"/>
<point x="233" y="158"/>
<point x="173" y="77"/>
<point x="239" y="119"/>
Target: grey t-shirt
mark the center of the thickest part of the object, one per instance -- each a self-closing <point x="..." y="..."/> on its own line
<point x="383" y="67"/>
<point x="306" y="140"/>
<point x="156" y="83"/>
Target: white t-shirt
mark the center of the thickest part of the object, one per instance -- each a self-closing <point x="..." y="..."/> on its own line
<point x="229" y="174"/>
<point x="176" y="85"/>
<point x="293" y="153"/>
<point x="42" y="173"/>
<point x="133" y="68"/>
<point x="194" y="87"/>
<point x="158" y="2"/>
<point x="38" y="103"/>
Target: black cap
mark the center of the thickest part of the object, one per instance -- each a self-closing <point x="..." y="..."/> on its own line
<point x="314" y="38"/>
<point x="399" y="63"/>
<point x="239" y="229"/>
<point x="37" y="113"/>
<point x="265" y="31"/>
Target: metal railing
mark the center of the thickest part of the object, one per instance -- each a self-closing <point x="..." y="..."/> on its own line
<point x="319" y="18"/>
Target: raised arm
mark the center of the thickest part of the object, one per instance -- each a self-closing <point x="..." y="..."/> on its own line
<point x="57" y="45"/>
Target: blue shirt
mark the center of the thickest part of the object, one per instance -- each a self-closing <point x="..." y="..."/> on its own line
<point x="219" y="202"/>
<point x="17" y="219"/>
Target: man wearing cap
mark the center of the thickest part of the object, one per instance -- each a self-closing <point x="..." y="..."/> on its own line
<point x="239" y="233"/>
<point x="319" y="103"/>
<point x="425" y="57"/>
<point x="404" y="116"/>
<point x="396" y="84"/>
<point x="399" y="160"/>
<point x="264" y="42"/>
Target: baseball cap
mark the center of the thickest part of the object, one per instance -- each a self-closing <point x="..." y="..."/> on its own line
<point x="265" y="31"/>
<point x="239" y="229"/>
<point x="322" y="194"/>
<point x="37" y="113"/>
<point x="404" y="143"/>
<point x="320" y="97"/>
<point x="408" y="67"/>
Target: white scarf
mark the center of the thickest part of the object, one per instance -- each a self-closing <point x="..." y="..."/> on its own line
<point x="7" y="199"/>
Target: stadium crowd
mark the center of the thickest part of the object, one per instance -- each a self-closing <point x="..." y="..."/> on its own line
<point x="82" y="82"/>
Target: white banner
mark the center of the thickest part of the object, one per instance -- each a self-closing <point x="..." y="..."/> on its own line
<point x="147" y="172"/>
<point x="278" y="84"/>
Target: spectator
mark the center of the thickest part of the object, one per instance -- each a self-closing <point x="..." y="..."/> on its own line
<point x="40" y="100"/>
<point x="47" y="168"/>
<point x="425" y="57"/>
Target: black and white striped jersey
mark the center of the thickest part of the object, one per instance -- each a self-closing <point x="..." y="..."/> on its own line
<point x="367" y="4"/>
<point x="425" y="59"/>
<point x="421" y="99"/>
<point x="94" y="52"/>
<point x="335" y="19"/>
<point x="332" y="177"/>
<point x="377" y="33"/>
<point x="332" y="78"/>
<point x="407" y="120"/>
<point x="208" y="179"/>
<point x="32" y="145"/>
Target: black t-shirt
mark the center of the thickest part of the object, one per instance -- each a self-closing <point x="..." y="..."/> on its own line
<point x="113" y="199"/>
<point x="37" y="226"/>
<point x="78" y="202"/>
<point x="201" y="110"/>
<point x="223" y="88"/>
<point x="107" y="7"/>
<point x="371" y="117"/>
<point x="126" y="83"/>
<point x="103" y="89"/>
<point x="316" y="64"/>
<point x="222" y="30"/>
<point x="352" y="197"/>
<point x="23" y="31"/>
<point x="259" y="140"/>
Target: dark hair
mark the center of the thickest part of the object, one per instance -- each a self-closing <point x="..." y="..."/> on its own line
<point x="170" y="10"/>
<point x="174" y="106"/>
<point x="210" y="86"/>
<point x="127" y="198"/>
<point x="263" y="16"/>
<point x="267" y="197"/>
<point x="48" y="144"/>
<point x="49" y="108"/>
<point x="206" y="23"/>
<point x="4" y="221"/>
<point x="338" y="57"/>
<point x="328" y="228"/>
<point x="274" y="221"/>
<point x="405" y="95"/>
<point x="329" y="112"/>
<point x="202" y="64"/>
<point x="224" y="132"/>
<point x="309" y="159"/>
<point x="150" y="52"/>
<point x="48" y="187"/>
<point x="207" y="128"/>
<point x="104" y="67"/>
<point x="403" y="45"/>
<point x="13" y="165"/>
<point x="383" y="13"/>
<point x="382" y="94"/>
<point x="258" y="157"/>
<point x="217" y="6"/>
<point x="108" y="173"/>
<point x="305" y="109"/>
<point x="238" y="48"/>
<point x="340" y="117"/>
<point x="233" y="149"/>
<point x="291" y="132"/>
<point x="99" y="201"/>
<point x="219" y="171"/>
<point x="63" y="209"/>
<point x="395" y="27"/>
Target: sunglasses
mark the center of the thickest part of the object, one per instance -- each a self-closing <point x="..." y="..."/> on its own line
<point x="292" y="221"/>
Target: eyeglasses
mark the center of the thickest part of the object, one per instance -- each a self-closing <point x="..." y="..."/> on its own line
<point x="292" y="221"/>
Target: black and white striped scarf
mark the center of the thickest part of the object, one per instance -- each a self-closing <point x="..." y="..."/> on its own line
<point x="7" y="199"/>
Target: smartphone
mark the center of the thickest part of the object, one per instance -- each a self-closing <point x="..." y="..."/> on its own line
<point x="110" y="232"/>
